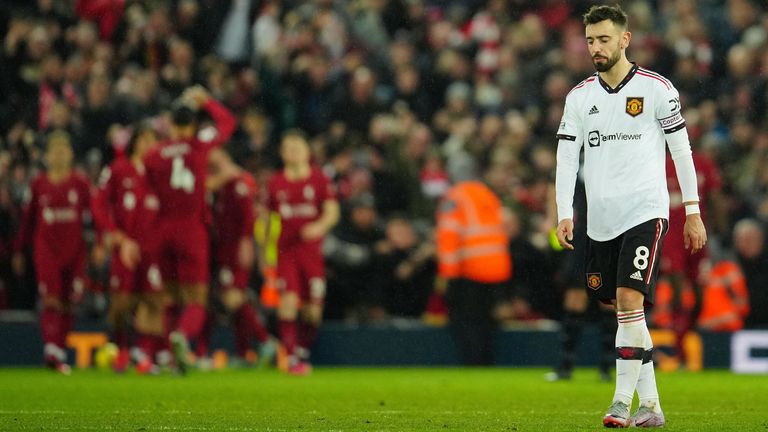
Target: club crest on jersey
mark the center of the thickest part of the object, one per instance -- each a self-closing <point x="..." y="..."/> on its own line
<point x="634" y="106"/>
<point x="309" y="192"/>
<point x="594" y="281"/>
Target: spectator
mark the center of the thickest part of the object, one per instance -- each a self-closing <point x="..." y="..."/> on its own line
<point x="749" y="242"/>
<point x="404" y="269"/>
<point x="349" y="252"/>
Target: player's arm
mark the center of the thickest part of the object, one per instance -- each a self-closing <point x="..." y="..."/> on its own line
<point x="328" y="218"/>
<point x="569" y="142"/>
<point x="673" y="125"/>
<point x="225" y="121"/>
<point x="26" y="230"/>
<point x="246" y="252"/>
<point x="102" y="205"/>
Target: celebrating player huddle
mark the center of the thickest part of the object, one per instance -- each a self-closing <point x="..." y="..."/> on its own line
<point x="151" y="212"/>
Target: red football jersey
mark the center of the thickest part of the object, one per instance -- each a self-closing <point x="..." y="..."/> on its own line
<point x="53" y="216"/>
<point x="124" y="200"/>
<point x="298" y="202"/>
<point x="233" y="215"/>
<point x="708" y="178"/>
<point x="176" y="169"/>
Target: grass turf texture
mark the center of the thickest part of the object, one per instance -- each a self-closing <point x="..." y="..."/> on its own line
<point x="335" y="399"/>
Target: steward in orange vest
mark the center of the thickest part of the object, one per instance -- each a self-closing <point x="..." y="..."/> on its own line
<point x="725" y="300"/>
<point x="472" y="260"/>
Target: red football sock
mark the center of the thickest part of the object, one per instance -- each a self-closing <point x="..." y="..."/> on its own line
<point x="50" y="324"/>
<point x="120" y="338"/>
<point x="147" y="344"/>
<point x="170" y="318"/>
<point x="67" y="321"/>
<point x="203" y="342"/>
<point x="307" y="334"/>
<point x="247" y="319"/>
<point x="289" y="335"/>
<point x="242" y="338"/>
<point x="192" y="320"/>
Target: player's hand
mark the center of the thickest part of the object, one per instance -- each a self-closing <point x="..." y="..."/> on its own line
<point x="565" y="233"/>
<point x="130" y="253"/>
<point x="312" y="231"/>
<point x="18" y="264"/>
<point x="246" y="253"/>
<point x="694" y="233"/>
<point x="197" y="94"/>
<point x="441" y="285"/>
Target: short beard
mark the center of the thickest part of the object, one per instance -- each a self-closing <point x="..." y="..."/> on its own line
<point x="605" y="67"/>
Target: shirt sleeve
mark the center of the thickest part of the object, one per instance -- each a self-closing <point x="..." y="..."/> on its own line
<point x="225" y="123"/>
<point x="667" y="109"/>
<point x="245" y="195"/>
<point x="103" y="200"/>
<point x="570" y="139"/>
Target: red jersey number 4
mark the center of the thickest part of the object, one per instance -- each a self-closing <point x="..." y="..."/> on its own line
<point x="182" y="178"/>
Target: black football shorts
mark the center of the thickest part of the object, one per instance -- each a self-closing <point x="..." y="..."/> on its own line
<point x="631" y="260"/>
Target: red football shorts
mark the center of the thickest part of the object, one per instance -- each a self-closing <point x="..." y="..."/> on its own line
<point x="63" y="279"/>
<point x="145" y="278"/>
<point x="301" y="269"/>
<point x="182" y="252"/>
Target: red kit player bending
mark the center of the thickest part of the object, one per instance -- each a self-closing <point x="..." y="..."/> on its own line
<point x="53" y="225"/>
<point x="304" y="198"/>
<point x="234" y="250"/>
<point x="124" y="212"/>
<point x="176" y="170"/>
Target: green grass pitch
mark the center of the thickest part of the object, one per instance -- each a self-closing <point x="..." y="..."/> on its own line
<point x="364" y="399"/>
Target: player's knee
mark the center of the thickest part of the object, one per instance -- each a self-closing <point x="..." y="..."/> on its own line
<point x="195" y="294"/>
<point x="289" y="306"/>
<point x="52" y="302"/>
<point x="232" y="299"/>
<point x="629" y="299"/>
<point x="313" y="314"/>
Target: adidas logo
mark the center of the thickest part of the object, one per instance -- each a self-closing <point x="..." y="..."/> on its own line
<point x="636" y="276"/>
<point x="594" y="110"/>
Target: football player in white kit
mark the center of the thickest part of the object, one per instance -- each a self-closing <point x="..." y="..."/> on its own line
<point x="622" y="116"/>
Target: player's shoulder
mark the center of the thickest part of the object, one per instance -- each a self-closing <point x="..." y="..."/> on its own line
<point x="318" y="174"/>
<point x="654" y="79"/>
<point x="581" y="88"/>
<point x="79" y="178"/>
<point x="244" y="184"/>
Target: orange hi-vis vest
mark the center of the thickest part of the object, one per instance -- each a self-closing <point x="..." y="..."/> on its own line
<point x="472" y="242"/>
<point x="725" y="302"/>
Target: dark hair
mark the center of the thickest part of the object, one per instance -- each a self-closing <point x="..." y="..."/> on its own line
<point x="613" y="13"/>
<point x="183" y="115"/>
<point x="138" y="130"/>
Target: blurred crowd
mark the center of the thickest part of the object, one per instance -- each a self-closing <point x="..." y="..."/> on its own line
<point x="390" y="92"/>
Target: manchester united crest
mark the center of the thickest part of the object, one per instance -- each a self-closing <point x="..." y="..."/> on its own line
<point x="594" y="281"/>
<point x="634" y="106"/>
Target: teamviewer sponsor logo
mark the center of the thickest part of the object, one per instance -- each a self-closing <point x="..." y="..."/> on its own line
<point x="620" y="136"/>
<point x="593" y="138"/>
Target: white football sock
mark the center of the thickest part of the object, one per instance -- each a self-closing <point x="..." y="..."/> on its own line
<point x="646" y="384"/>
<point x="629" y="353"/>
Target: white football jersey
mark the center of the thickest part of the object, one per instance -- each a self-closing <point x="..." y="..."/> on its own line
<point x="622" y="131"/>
